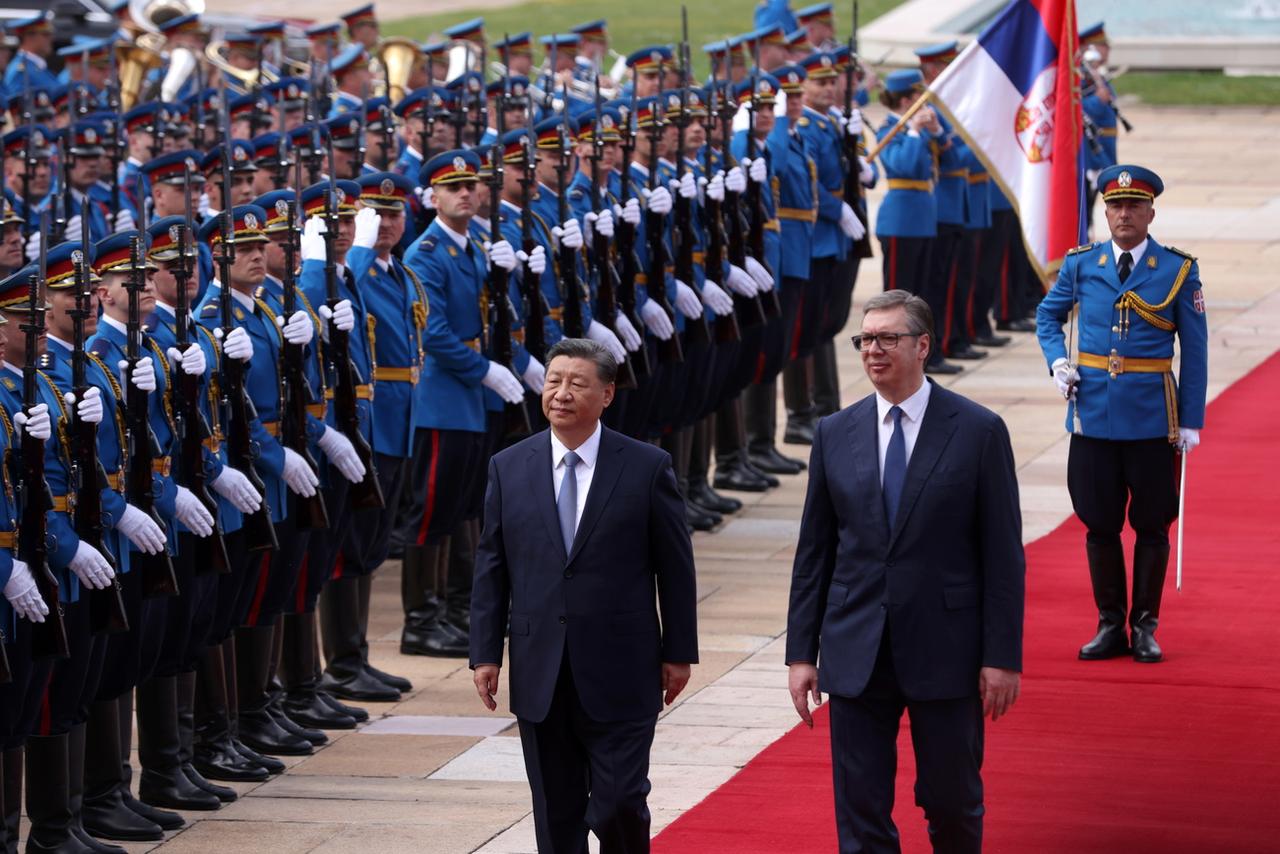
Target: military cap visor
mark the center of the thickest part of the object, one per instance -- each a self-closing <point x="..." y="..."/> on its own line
<point x="450" y="167"/>
<point x="1126" y="181"/>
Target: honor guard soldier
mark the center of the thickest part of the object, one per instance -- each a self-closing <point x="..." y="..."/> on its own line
<point x="350" y="72"/>
<point x="362" y="26"/>
<point x="86" y="70"/>
<point x="273" y="36"/>
<point x="243" y="53"/>
<point x="450" y="417"/>
<point x="290" y="96"/>
<point x="181" y="32"/>
<point x="1127" y="414"/>
<point x="1097" y="99"/>
<point x="29" y="68"/>
<point x="28" y="176"/>
<point x="344" y="130"/>
<point x="83" y="145"/>
<point x="325" y="40"/>
<point x="819" y="25"/>
<point x="518" y="50"/>
<point x="770" y="13"/>
<point x="11" y="240"/>
<point x="646" y="70"/>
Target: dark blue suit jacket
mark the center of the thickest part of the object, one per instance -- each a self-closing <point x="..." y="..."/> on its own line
<point x="947" y="582"/>
<point x="597" y="603"/>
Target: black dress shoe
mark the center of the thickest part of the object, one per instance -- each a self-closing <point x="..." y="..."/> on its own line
<point x="359" y="686"/>
<point x="1145" y="648"/>
<point x="1109" y="642"/>
<point x="273" y="765"/>
<point x="436" y="641"/>
<point x="967" y="354"/>
<point x="1019" y="325"/>
<point x="699" y="519"/>
<point x="737" y="477"/>
<point x="225" y="794"/>
<point x="109" y="817"/>
<point x="399" y="682"/>
<point x="97" y="846"/>
<point x="772" y="481"/>
<point x="288" y="724"/>
<point x="942" y="367"/>
<point x="798" y="432"/>
<point x="770" y="460"/>
<point x="992" y="340"/>
<point x="260" y="732"/>
<point x="701" y="493"/>
<point x="174" y="790"/>
<point x="309" y="710"/>
<point x="337" y="705"/>
<point x="224" y="762"/>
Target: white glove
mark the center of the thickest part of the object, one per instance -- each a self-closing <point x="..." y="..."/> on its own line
<point x="630" y="338"/>
<point x="502" y="254"/>
<point x="35" y="423"/>
<point x="735" y="181"/>
<point x="850" y="224"/>
<point x="298" y="475"/>
<point x="715" y="187"/>
<point x="299" y="329"/>
<point x="192" y="513"/>
<point x="141" y="530"/>
<point x="630" y="212"/>
<point x="426" y="196"/>
<point x="716" y="299"/>
<point x="1066" y="377"/>
<point x="657" y="320"/>
<point x="368" y="221"/>
<point x="568" y="235"/>
<point x="238" y="346"/>
<point x="600" y="222"/>
<point x="72" y="232"/>
<point x="32" y="249"/>
<point x="854" y="123"/>
<point x="741" y="283"/>
<point x="1188" y="439"/>
<point x="537" y="259"/>
<point x="91" y="567"/>
<point x="602" y="334"/>
<point x="191" y="360"/>
<point x="313" y="248"/>
<point x="143" y="376"/>
<point x="865" y="173"/>
<point x="89" y="409"/>
<point x="342" y="315"/>
<point x="760" y="274"/>
<point x="535" y="376"/>
<point x="687" y="301"/>
<point x="237" y="489"/>
<point x="758" y="170"/>
<point x="22" y="594"/>
<point x="658" y="200"/>
<point x="124" y="221"/>
<point x="686" y="186"/>
<point x="342" y="453"/>
<point x="503" y="383"/>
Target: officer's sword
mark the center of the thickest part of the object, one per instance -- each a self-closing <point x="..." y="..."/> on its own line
<point x="1182" y="503"/>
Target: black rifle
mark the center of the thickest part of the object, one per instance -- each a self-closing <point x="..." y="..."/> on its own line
<point x="62" y="196"/>
<point x="727" y="328"/>
<point x="730" y="239"/>
<point x="501" y="348"/>
<point x="88" y="477"/>
<point x="48" y="639"/>
<point x="854" y="193"/>
<point x="367" y="494"/>
<point x="295" y="391"/>
<point x="158" y="578"/>
<point x="260" y="533"/>
<point x="574" y="323"/>
<point x="682" y="237"/>
<point x="626" y="244"/>
<point x="190" y="427"/>
<point x="601" y="271"/>
<point x="670" y="351"/>
<point x="29" y="159"/>
<point x="535" y="303"/>
<point x="754" y="196"/>
<point x="481" y="121"/>
<point x="282" y="164"/>
<point x="458" y="116"/>
<point x="426" y="113"/>
<point x="118" y="144"/>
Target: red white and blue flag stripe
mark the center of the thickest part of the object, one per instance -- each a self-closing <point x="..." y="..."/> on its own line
<point x="1012" y="95"/>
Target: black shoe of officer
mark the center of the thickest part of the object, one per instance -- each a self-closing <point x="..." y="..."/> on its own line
<point x="225" y="794"/>
<point x="769" y="479"/>
<point x="111" y="818"/>
<point x="359" y="686"/>
<point x="432" y="638"/>
<point x="309" y="710"/>
<point x="337" y="705"/>
<point x="1145" y="648"/>
<point x="288" y="724"/>
<point x="942" y="367"/>
<point x="221" y="761"/>
<point x="97" y="846"/>
<point x="733" y="474"/>
<point x="799" y="431"/>
<point x="1109" y="642"/>
<point x="398" y="682"/>
<point x="699" y="519"/>
<point x="701" y="493"/>
<point x="173" y="789"/>
<point x="260" y="732"/>
<point x="967" y="354"/>
<point x="1022" y="324"/>
<point x="273" y="765"/>
<point x="992" y="340"/>
<point x="768" y="459"/>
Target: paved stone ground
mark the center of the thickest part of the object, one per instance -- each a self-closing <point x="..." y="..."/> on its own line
<point x="435" y="772"/>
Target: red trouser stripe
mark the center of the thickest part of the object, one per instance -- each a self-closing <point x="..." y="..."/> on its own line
<point x="973" y="286"/>
<point x="300" y="586"/>
<point x="893" y="264"/>
<point x="1004" y="284"/>
<point x="951" y="300"/>
<point x="429" y="506"/>
<point x="799" y="323"/>
<point x="759" y="375"/>
<point x="264" y="575"/>
<point x="339" y="563"/>
<point x="45" y="725"/>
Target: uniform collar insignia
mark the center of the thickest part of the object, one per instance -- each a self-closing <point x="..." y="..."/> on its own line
<point x="1151" y="261"/>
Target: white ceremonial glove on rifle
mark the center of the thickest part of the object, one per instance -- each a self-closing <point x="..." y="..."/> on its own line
<point x="89" y="409"/>
<point x="234" y="486"/>
<point x="735" y="181"/>
<point x="22" y="594"/>
<point x="628" y="213"/>
<point x="687" y="301"/>
<point x="342" y="454"/>
<point x="853" y="124"/>
<point x="192" y="513"/>
<point x="602" y="334"/>
<point x="537" y="259"/>
<point x="1188" y="439"/>
<point x="1066" y="378"/>
<point x="865" y="173"/>
<point x="91" y="567"/>
<point x="568" y="234"/>
<point x="191" y="361"/>
<point x="297" y="475"/>
<point x="238" y="345"/>
<point x="658" y="200"/>
<point x="535" y="376"/>
<point x="299" y="329"/>
<point x="657" y="320"/>
<point x="741" y="283"/>
<point x="760" y="274"/>
<point x="630" y="337"/>
<point x="502" y="254"/>
<point x="141" y="530"/>
<point x="757" y="170"/>
<point x="850" y="224"/>
<point x="426" y="196"/>
<point x="143" y="376"/>
<point x="124" y="221"/>
<point x="313" y="248"/>
<point x="342" y="315"/>
<point x="35" y="423"/>
<point x="601" y="223"/>
<point x="503" y="383"/>
<point x="715" y="187"/>
<point x="368" y="221"/>
<point x="716" y="299"/>
<point x="685" y="185"/>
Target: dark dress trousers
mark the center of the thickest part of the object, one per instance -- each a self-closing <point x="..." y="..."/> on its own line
<point x="588" y="635"/>
<point x="905" y="618"/>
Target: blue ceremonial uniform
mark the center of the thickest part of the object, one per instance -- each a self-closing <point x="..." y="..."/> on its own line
<point x="908" y="209"/>
<point x="344" y="102"/>
<point x="822" y="140"/>
<point x="772" y="12"/>
<point x="1130" y="405"/>
<point x="949" y="155"/>
<point x="26" y="69"/>
<point x="1104" y="117"/>
<point x="511" y="221"/>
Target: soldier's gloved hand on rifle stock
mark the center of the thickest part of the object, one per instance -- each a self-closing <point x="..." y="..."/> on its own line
<point x="630" y="337"/>
<point x="687" y="301"/>
<point x="535" y="376"/>
<point x="141" y="530"/>
<point x="658" y="200"/>
<point x="568" y="234"/>
<point x="192" y="513"/>
<point x="298" y="329"/>
<point x="599" y="222"/>
<point x="89" y="409"/>
<point x="602" y="334"/>
<point x="298" y="475"/>
<point x="342" y="454"/>
<point x="715" y="187"/>
<point x="368" y="221"/>
<point x="628" y="213"/>
<point x="741" y="283"/>
<point x="686" y="186"/>
<point x="143" y="376"/>
<point x="502" y="254"/>
<point x="714" y="297"/>
<point x="22" y="594"/>
<point x="342" y="315"/>
<point x="657" y="320"/>
<point x="854" y="123"/>
<point x="502" y="382"/>
<point x="850" y="224"/>
<point x="237" y="489"/>
<point x="735" y="180"/>
<point x="757" y="170"/>
<point x="91" y="567"/>
<point x="760" y="274"/>
<point x="238" y="345"/>
<point x="537" y="259"/>
<point x="191" y="360"/>
<point x="35" y="423"/>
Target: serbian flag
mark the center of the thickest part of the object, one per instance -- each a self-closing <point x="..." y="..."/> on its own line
<point x="1012" y="95"/>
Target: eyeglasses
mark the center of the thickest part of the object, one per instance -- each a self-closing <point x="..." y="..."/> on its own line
<point x="888" y="340"/>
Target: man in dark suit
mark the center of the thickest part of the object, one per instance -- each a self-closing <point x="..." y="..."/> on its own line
<point x="581" y="524"/>
<point x="909" y="577"/>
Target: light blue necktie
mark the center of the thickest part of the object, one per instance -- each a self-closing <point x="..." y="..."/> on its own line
<point x="567" y="503"/>
<point x="895" y="467"/>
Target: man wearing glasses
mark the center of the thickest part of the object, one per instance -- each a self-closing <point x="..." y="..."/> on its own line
<point x="909" y="577"/>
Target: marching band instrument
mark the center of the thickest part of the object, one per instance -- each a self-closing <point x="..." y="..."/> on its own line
<point x="398" y="57"/>
<point x="133" y="64"/>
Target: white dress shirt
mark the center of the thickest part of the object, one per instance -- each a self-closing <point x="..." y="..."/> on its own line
<point x="912" y="415"/>
<point x="1137" y="252"/>
<point x="587" y="453"/>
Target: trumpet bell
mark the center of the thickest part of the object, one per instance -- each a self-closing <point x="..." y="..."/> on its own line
<point x="398" y="57"/>
<point x="133" y="64"/>
<point x="182" y="63"/>
<point x="247" y="78"/>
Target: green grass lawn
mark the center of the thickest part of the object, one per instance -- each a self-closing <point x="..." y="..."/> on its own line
<point x="632" y="24"/>
<point x="1199" y="87"/>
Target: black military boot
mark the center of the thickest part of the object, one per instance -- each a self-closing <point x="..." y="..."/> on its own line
<point x="459" y="576"/>
<point x="1106" y="573"/>
<point x="733" y="472"/>
<point x="365" y="588"/>
<point x="258" y="729"/>
<point x="761" y="401"/>
<point x="104" y="813"/>
<point x="1150" y="563"/>
<point x="801" y="414"/>
<point x="699" y="490"/>
<point x="214" y="753"/>
<point x="75" y="792"/>
<point x="425" y="632"/>
<point x="276" y="694"/>
<point x="298" y="667"/>
<point x="185" y="701"/>
<point x="48" y="798"/>
<point x="826" y="379"/>
<point x="12" y="798"/>
<point x="344" y="674"/>
<point x="163" y="782"/>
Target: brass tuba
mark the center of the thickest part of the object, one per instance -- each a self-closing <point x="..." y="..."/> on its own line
<point x="248" y="78"/>
<point x="150" y="14"/>
<point x="133" y="64"/>
<point x="398" y="57"/>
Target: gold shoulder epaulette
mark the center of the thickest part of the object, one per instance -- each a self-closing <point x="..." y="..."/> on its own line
<point x="1083" y="248"/>
<point x="803" y="121"/>
<point x="1181" y="252"/>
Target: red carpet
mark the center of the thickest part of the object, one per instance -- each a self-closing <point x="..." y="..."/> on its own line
<point x="1112" y="756"/>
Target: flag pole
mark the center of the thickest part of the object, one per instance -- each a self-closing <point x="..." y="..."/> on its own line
<point x="1182" y="503"/>
<point x="902" y="123"/>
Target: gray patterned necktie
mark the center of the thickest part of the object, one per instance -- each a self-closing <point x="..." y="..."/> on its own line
<point x="567" y="503"/>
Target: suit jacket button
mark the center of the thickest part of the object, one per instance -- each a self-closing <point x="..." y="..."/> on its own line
<point x="563" y="620"/>
<point x="568" y="574"/>
<point x="888" y="563"/>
